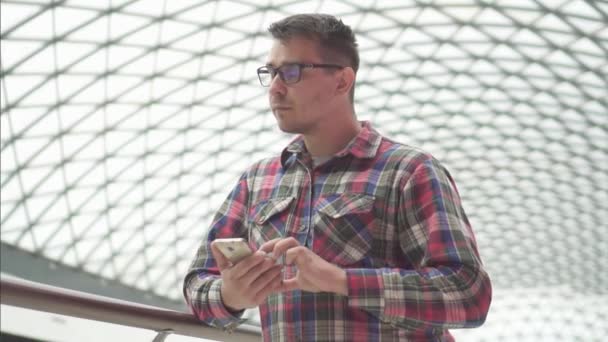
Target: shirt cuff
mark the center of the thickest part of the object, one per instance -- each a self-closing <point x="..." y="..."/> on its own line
<point x="224" y="318"/>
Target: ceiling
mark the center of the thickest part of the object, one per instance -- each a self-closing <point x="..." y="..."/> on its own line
<point x="125" y="123"/>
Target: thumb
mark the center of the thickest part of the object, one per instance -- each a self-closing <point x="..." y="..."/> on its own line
<point x="288" y="285"/>
<point x="268" y="246"/>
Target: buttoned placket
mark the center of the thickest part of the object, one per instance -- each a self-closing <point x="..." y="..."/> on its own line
<point x="306" y="222"/>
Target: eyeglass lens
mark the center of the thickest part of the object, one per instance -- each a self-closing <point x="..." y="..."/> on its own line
<point x="289" y="73"/>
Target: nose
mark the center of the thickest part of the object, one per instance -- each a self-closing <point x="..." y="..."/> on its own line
<point x="277" y="86"/>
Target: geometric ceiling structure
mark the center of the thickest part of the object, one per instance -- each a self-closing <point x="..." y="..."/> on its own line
<point x="124" y="124"/>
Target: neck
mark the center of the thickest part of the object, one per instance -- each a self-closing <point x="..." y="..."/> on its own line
<point x="331" y="136"/>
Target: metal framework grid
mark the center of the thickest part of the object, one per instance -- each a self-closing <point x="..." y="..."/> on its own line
<point x="125" y="123"/>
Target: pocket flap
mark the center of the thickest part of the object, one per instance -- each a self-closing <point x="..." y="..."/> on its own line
<point x="338" y="205"/>
<point x="266" y="209"/>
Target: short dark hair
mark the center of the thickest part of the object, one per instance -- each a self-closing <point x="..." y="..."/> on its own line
<point x="336" y="40"/>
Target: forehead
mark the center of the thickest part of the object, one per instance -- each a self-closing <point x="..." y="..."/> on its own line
<point x="297" y="49"/>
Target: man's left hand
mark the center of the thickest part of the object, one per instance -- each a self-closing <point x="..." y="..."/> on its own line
<point x="314" y="274"/>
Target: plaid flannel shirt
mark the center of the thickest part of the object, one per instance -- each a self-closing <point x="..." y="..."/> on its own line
<point x="387" y="213"/>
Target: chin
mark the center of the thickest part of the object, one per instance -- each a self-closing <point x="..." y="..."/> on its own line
<point x="284" y="125"/>
<point x="287" y="128"/>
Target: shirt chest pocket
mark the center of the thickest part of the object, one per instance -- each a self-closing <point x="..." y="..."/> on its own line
<point x="268" y="219"/>
<point x="343" y="228"/>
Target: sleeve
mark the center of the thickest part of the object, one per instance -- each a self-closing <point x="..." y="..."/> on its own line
<point x="203" y="281"/>
<point x="448" y="287"/>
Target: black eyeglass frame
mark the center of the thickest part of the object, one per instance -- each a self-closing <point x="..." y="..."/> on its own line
<point x="268" y="69"/>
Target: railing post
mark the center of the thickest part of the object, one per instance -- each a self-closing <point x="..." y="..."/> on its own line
<point x="162" y="334"/>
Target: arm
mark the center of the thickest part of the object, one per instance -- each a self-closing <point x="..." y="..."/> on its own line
<point x="202" y="284"/>
<point x="448" y="288"/>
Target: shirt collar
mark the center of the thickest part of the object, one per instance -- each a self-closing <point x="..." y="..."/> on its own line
<point x="364" y="145"/>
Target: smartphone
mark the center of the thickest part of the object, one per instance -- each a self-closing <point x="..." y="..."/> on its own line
<point x="234" y="249"/>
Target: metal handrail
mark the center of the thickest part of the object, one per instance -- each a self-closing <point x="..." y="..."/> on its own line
<point x="27" y="294"/>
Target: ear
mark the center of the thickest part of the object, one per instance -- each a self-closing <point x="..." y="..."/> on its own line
<point x="346" y="80"/>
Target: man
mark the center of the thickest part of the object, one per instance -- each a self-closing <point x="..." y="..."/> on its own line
<point x="359" y="238"/>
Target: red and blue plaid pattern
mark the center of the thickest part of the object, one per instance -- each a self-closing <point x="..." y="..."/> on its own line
<point x="387" y="213"/>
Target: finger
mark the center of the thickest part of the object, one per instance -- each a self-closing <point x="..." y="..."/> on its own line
<point x="288" y="285"/>
<point x="250" y="280"/>
<point x="298" y="256"/>
<point x="221" y="261"/>
<point x="269" y="289"/>
<point x="282" y="246"/>
<point x="275" y="284"/>
<point x="248" y="264"/>
<point x="268" y="246"/>
<point x="265" y="280"/>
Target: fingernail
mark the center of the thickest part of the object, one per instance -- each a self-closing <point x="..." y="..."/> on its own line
<point x="267" y="255"/>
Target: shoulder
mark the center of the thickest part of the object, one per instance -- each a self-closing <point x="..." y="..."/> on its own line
<point x="405" y="157"/>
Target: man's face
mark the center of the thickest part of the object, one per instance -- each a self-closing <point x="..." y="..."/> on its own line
<point x="302" y="106"/>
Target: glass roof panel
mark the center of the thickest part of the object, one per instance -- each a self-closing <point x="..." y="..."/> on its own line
<point x="125" y="124"/>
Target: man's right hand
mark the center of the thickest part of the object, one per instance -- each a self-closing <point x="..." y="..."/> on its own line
<point x="248" y="283"/>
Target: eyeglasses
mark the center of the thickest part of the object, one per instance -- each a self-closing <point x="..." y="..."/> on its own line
<point x="289" y="73"/>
